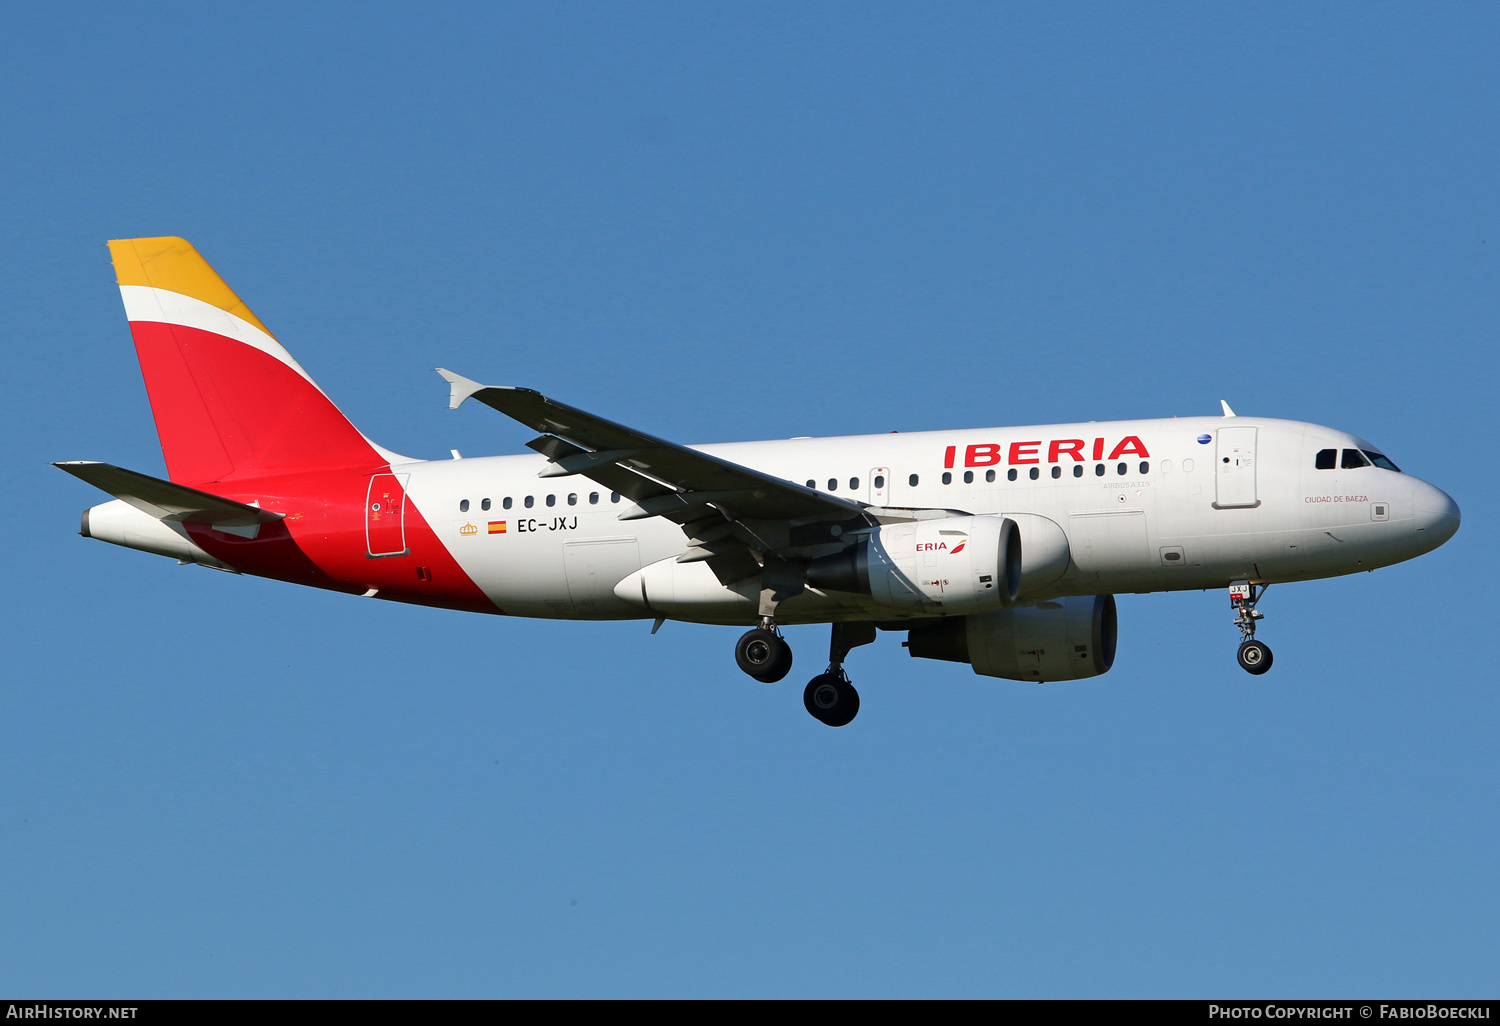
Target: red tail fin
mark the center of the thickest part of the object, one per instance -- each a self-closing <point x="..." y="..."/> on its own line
<point x="228" y="399"/>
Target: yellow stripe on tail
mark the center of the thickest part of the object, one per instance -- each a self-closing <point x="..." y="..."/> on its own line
<point x="173" y="264"/>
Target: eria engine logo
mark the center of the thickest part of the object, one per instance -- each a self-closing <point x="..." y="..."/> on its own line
<point x="942" y="547"/>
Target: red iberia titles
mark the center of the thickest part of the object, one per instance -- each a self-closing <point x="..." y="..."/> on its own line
<point x="993" y="454"/>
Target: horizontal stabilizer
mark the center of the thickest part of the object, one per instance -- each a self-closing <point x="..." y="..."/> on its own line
<point x="167" y="501"/>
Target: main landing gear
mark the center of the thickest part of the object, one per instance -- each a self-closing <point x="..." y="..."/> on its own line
<point x="829" y="696"/>
<point x="764" y="654"/>
<point x="1254" y="656"/>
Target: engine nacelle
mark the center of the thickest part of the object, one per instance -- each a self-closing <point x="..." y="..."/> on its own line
<point x="1065" y="639"/>
<point x="949" y="565"/>
<point x="1046" y="555"/>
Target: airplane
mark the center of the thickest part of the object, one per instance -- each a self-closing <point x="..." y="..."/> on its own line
<point x="1002" y="548"/>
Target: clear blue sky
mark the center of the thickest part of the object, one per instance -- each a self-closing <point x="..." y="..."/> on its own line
<point x="738" y="221"/>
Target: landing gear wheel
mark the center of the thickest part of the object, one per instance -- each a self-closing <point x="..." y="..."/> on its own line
<point x="831" y="699"/>
<point x="1255" y="657"/>
<point x="764" y="655"/>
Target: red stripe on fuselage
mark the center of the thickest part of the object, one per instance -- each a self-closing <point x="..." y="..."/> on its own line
<point x="238" y="422"/>
<point x="322" y="543"/>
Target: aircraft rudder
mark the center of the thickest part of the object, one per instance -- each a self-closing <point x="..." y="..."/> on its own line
<point x="227" y="397"/>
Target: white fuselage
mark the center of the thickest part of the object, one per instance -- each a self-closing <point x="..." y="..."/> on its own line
<point x="1144" y="505"/>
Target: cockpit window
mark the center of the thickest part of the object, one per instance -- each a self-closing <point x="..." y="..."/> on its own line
<point x="1353" y="460"/>
<point x="1326" y="459"/>
<point x="1383" y="462"/>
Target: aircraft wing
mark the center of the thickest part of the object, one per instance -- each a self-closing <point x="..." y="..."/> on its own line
<point x="727" y="510"/>
<point x="167" y="501"/>
<point x="686" y="477"/>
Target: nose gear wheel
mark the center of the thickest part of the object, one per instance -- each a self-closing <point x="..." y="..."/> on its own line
<point x="1254" y="656"/>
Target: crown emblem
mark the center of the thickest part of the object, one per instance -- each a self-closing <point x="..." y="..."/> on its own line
<point x="468" y="529"/>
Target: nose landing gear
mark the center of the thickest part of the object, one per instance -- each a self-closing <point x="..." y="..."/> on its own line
<point x="1254" y="656"/>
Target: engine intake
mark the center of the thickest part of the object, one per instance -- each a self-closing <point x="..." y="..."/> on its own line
<point x="1066" y="639"/>
<point x="951" y="565"/>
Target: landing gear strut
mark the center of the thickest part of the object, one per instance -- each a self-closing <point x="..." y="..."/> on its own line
<point x="1254" y="656"/>
<point x="829" y="696"/>
<point x="763" y="653"/>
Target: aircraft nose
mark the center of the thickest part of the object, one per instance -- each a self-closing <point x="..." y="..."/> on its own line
<point x="1436" y="515"/>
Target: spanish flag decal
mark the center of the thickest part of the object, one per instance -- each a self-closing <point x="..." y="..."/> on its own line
<point x="497" y="526"/>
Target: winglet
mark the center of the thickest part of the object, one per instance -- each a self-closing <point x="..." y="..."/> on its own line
<point x="462" y="387"/>
<point x="1227" y="411"/>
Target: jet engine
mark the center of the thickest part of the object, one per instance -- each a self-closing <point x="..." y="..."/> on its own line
<point x="1065" y="639"/>
<point x="1046" y="555"/>
<point x="949" y="565"/>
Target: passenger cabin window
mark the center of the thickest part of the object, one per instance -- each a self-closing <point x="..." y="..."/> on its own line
<point x="573" y="499"/>
<point x="484" y="503"/>
<point x="552" y="500"/>
<point x="1056" y="470"/>
<point x="463" y="505"/>
<point x="529" y="502"/>
<point x="1353" y="460"/>
<point x="593" y="498"/>
<point x="947" y="478"/>
<point x="1098" y="470"/>
<point x="879" y="480"/>
<point x="1078" y="470"/>
<point x="812" y="484"/>
<point x="912" y="480"/>
<point x="1326" y="459"/>
<point x="506" y="502"/>
<point x="854" y="484"/>
<point x="1383" y="462"/>
<point x="1035" y="473"/>
<point x="614" y="496"/>
<point x="833" y="484"/>
<point x="1145" y="468"/>
<point x="989" y="476"/>
<point x="1010" y="475"/>
<point x="1121" y="469"/>
<point x="968" y="477"/>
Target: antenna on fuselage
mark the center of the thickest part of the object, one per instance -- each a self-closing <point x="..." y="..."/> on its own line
<point x="1227" y="411"/>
